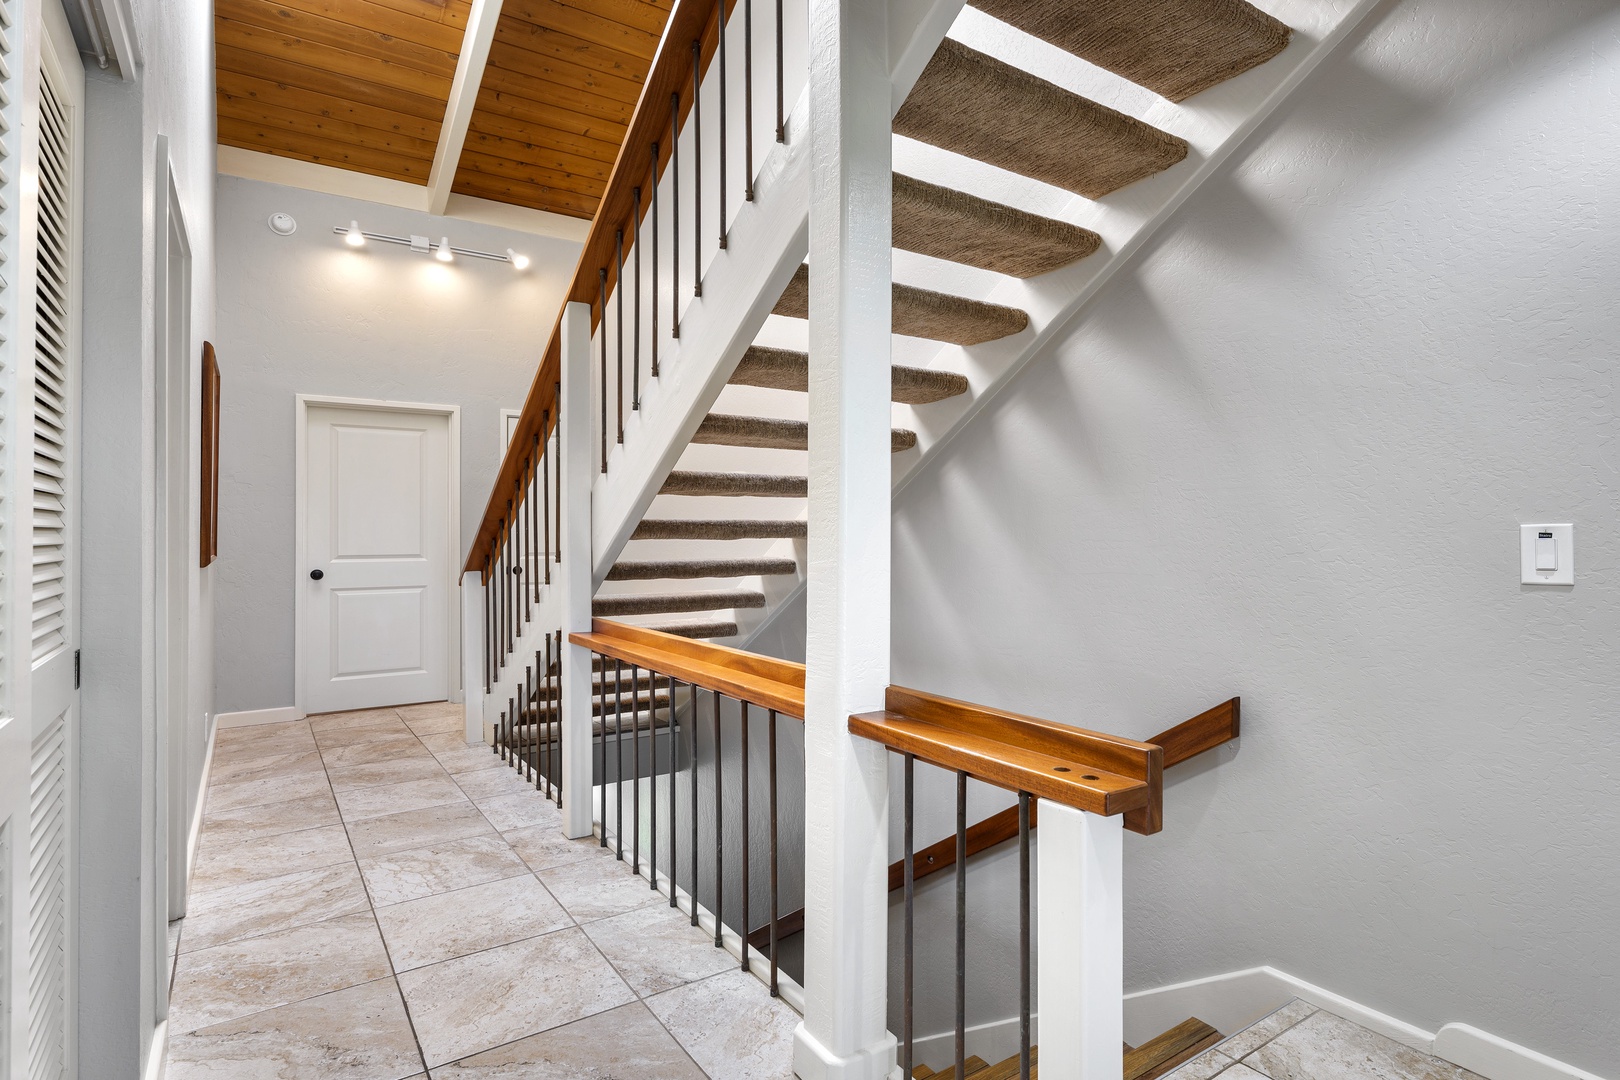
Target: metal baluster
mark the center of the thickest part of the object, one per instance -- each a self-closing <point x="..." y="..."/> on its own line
<point x="694" y="727"/>
<point x="719" y="834"/>
<point x="618" y="336"/>
<point x="534" y="511"/>
<point x="775" y="989"/>
<point x="675" y="222"/>
<point x="697" y="173"/>
<point x="489" y="625"/>
<point x="618" y="756"/>
<point x="961" y="925"/>
<point x="542" y="720"/>
<point x="653" y="336"/>
<point x="781" y="116"/>
<point x="743" y="927"/>
<point x="1023" y="935"/>
<point x="506" y="734"/>
<point x="909" y="870"/>
<point x="635" y="756"/>
<point x="545" y="493"/>
<point x="599" y="723"/>
<point x="555" y="786"/>
<point x="526" y="708"/>
<point x="721" y="6"/>
<point x="748" y="100"/>
<point x="635" y="337"/>
<point x="601" y="286"/>
<point x="556" y="489"/>
<point x="525" y="534"/>
<point x="674" y="752"/>
<point x="652" y="773"/>
<point x="552" y="727"/>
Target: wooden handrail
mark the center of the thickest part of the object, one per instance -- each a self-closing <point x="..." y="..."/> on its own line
<point x="758" y="680"/>
<point x="670" y="74"/>
<point x="1183" y="742"/>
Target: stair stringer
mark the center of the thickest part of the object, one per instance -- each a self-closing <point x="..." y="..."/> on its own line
<point x="1217" y="123"/>
<point x="767" y="241"/>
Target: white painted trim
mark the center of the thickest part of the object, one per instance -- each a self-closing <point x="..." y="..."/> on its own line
<point x="1494" y="1057"/>
<point x="159" y="1052"/>
<point x="452" y="569"/>
<point x="470" y="603"/>
<point x="290" y="172"/>
<point x="1080" y="958"/>
<point x="195" y="833"/>
<point x="458" y="110"/>
<point x="253" y="718"/>
<point x="507" y="416"/>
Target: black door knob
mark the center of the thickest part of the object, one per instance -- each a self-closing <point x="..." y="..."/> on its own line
<point x="316" y="575"/>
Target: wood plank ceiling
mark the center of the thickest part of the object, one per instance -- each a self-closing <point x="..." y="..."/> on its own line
<point x="364" y="84"/>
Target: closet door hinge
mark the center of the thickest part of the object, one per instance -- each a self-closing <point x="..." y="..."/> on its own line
<point x="75" y="669"/>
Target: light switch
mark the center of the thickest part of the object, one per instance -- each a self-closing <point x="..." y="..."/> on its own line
<point x="1547" y="554"/>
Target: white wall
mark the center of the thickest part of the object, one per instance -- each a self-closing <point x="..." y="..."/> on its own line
<point x="1287" y="458"/>
<point x="306" y="314"/>
<point x="119" y="882"/>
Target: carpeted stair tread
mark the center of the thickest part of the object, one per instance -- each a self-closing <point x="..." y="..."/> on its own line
<point x="1173" y="47"/>
<point x="736" y="485"/>
<point x="963" y="228"/>
<point x="726" y="529"/>
<point x="529" y="734"/>
<point x="723" y="429"/>
<point x="784" y="369"/>
<point x="654" y="570"/>
<point x="978" y="106"/>
<point x="922" y="313"/>
<point x="643" y="680"/>
<point x="609" y="607"/>
<point x="639" y="700"/>
<point x="715" y="628"/>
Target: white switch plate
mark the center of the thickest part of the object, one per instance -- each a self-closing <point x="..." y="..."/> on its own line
<point x="1563" y="541"/>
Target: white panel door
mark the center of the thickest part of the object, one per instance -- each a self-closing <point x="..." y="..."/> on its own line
<point x="377" y="546"/>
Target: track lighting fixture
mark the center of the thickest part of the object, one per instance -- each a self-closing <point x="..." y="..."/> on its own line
<point x="443" y="251"/>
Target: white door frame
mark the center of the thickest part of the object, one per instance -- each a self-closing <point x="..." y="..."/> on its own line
<point x="452" y="570"/>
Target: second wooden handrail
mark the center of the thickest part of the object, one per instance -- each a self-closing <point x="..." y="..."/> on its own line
<point x="758" y="680"/>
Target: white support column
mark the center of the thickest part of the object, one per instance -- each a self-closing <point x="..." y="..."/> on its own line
<point x="572" y="576"/>
<point x="844" y="1034"/>
<point x="1081" y="990"/>
<point x="472" y="655"/>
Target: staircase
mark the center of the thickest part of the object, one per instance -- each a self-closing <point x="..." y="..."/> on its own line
<point x="981" y="283"/>
<point x="1151" y="1060"/>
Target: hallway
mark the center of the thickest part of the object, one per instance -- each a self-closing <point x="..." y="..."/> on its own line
<point x="377" y="900"/>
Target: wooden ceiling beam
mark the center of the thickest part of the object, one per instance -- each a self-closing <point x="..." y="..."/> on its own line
<point x="481" y="24"/>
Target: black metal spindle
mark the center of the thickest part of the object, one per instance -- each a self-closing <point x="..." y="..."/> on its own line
<point x="721" y="6"/>
<point x="697" y="172"/>
<point x="555" y="785"/>
<point x="618" y="756"/>
<point x="489" y="624"/>
<point x="961" y="925"/>
<point x="909" y="871"/>
<point x="635" y="757"/>
<point x="653" y="336"/>
<point x="748" y="100"/>
<point x="525" y="535"/>
<point x="556" y="490"/>
<point x="652" y="774"/>
<point x="743" y="749"/>
<point x="542" y="721"/>
<point x="781" y="116"/>
<point x="675" y="221"/>
<point x="694" y="727"/>
<point x="1023" y="935"/>
<point x="535" y="500"/>
<point x="526" y="708"/>
<point x="674" y="752"/>
<point x="506" y="733"/>
<point x="719" y="834"/>
<point x="635" y="336"/>
<point x="618" y="335"/>
<point x="545" y="493"/>
<point x="599" y="724"/>
<point x="553" y="711"/>
<point x="775" y="988"/>
<point x="601" y="285"/>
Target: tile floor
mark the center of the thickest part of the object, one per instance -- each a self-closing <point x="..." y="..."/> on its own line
<point x="1301" y="1042"/>
<point x="376" y="900"/>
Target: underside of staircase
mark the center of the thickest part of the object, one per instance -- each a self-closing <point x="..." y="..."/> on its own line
<point x="723" y="540"/>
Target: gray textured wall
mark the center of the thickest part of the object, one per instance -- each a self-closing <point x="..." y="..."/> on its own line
<point x="305" y="314"/>
<point x="1287" y="458"/>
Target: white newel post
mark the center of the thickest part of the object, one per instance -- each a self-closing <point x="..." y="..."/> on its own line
<point x="573" y="575"/>
<point x="845" y="1034"/>
<point x="1081" y="987"/>
<point x="472" y="655"/>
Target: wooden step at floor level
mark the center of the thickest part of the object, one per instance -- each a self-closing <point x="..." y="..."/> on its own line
<point x="982" y="108"/>
<point x="1164" y="1052"/>
<point x="962" y="228"/>
<point x="922" y="313"/>
<point x="608" y="607"/>
<point x="1176" y="48"/>
<point x="631" y="570"/>
<point x="784" y="369"/>
<point x="726" y="529"/>
<point x="766" y="433"/>
<point x="973" y="1065"/>
<point x="736" y="485"/>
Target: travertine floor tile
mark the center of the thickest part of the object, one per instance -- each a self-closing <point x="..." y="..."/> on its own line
<point x="270" y="904"/>
<point x="244" y="977"/>
<point x="755" y="1042"/>
<point x="384" y="799"/>
<point x="462" y="1006"/>
<point x="398" y="770"/>
<point x="1265" y="1029"/>
<point x="437" y="868"/>
<point x="544" y="846"/>
<point x="493" y="783"/>
<point x="416" y="828"/>
<point x="302" y="784"/>
<point x="345" y="729"/>
<point x="258" y="767"/>
<point x="656" y="949"/>
<point x="457" y="755"/>
<point x="442" y="927"/>
<point x="234" y="745"/>
<point x="249" y="823"/>
<point x="520" y="810"/>
<point x="225" y="862"/>
<point x="1325" y="1047"/>
<point x="361" y="1033"/>
<point x="596" y="890"/>
<point x="386" y="748"/>
<point x="1203" y="1067"/>
<point x="624" y="1043"/>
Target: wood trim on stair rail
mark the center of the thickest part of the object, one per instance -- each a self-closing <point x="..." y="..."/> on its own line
<point x="758" y="680"/>
<point x="670" y="73"/>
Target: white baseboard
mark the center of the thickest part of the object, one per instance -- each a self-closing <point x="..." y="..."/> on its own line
<point x="1233" y="1001"/>
<point x="254" y="717"/>
<point x="202" y="802"/>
